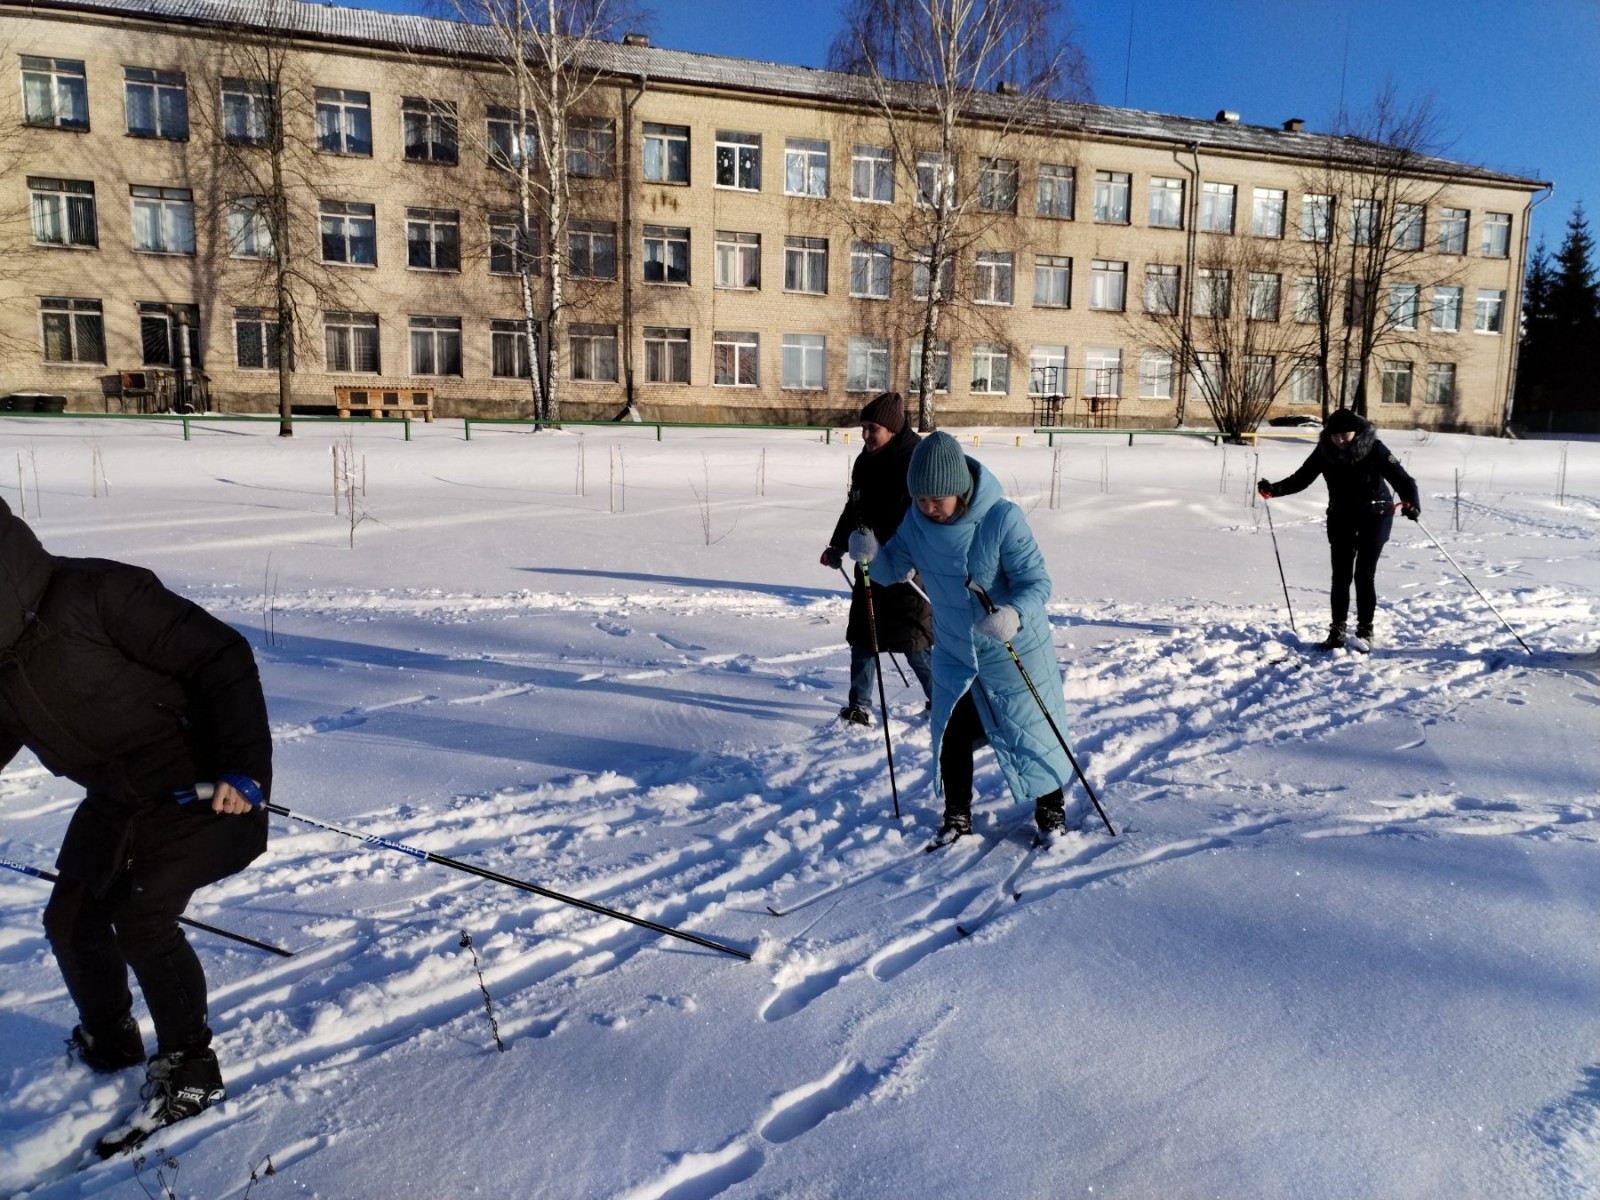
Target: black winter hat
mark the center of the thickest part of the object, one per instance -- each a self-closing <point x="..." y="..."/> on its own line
<point x="887" y="410"/>
<point x="1343" y="420"/>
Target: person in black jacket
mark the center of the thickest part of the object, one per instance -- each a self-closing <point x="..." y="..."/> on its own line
<point x="1359" y="470"/>
<point x="137" y="695"/>
<point x="878" y="500"/>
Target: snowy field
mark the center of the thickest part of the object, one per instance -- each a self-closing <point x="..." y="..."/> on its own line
<point x="1344" y="946"/>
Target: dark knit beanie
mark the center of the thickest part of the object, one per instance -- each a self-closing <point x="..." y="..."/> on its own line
<point x="938" y="468"/>
<point x="1343" y="420"/>
<point x="888" y="410"/>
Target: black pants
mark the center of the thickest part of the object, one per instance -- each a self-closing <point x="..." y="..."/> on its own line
<point x="1356" y="546"/>
<point x="962" y="735"/>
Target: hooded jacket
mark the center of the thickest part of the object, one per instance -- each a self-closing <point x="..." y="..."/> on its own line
<point x="1358" y="475"/>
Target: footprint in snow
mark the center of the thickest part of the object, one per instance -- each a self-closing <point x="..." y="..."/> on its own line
<point x="614" y="628"/>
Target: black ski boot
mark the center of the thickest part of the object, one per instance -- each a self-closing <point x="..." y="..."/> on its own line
<point x="177" y="1085"/>
<point x="956" y="825"/>
<point x="1361" y="642"/>
<point x="855" y="716"/>
<point x="117" y="1049"/>
<point x="1050" y="815"/>
<point x="1334" y="640"/>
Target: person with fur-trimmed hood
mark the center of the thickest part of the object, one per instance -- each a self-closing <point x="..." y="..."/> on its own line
<point x="137" y="695"/>
<point x="1359" y="470"/>
<point x="878" y="501"/>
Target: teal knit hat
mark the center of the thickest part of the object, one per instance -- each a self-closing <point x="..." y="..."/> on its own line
<point x="938" y="468"/>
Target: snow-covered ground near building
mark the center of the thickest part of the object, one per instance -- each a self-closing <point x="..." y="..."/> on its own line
<point x="1343" y="945"/>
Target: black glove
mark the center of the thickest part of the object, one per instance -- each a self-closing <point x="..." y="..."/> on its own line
<point x="832" y="558"/>
<point x="1263" y="489"/>
<point x="1409" y="511"/>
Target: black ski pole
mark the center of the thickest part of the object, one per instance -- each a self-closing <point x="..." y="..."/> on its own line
<point x="883" y="703"/>
<point x="903" y="680"/>
<point x="50" y="877"/>
<point x="1279" y="557"/>
<point x="1472" y="585"/>
<point x="988" y="606"/>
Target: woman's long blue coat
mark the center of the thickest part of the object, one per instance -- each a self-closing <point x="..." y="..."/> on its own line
<point x="992" y="545"/>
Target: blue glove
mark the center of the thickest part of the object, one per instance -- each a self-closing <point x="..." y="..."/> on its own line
<point x="1001" y="625"/>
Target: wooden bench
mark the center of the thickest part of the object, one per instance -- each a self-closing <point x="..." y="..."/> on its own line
<point x="379" y="402"/>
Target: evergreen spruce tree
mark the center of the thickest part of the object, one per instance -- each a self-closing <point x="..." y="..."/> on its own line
<point x="1574" y="307"/>
<point x="1533" y="363"/>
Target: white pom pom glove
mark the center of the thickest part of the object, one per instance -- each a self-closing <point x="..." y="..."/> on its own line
<point x="863" y="546"/>
<point x="1001" y="625"/>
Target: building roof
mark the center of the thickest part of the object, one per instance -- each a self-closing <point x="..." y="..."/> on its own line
<point x="430" y="35"/>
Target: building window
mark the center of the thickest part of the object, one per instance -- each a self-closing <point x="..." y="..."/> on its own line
<point x="666" y="254"/>
<point x="248" y="117"/>
<point x="1309" y="299"/>
<point x="249" y="230"/>
<point x="1303" y="387"/>
<point x="1409" y="220"/>
<point x="666" y="355"/>
<point x="344" y="122"/>
<point x="735" y="359"/>
<point x="350" y="342"/>
<point x="73" y="330"/>
<point x="1266" y="212"/>
<point x="163" y="220"/>
<point x="511" y="142"/>
<point x="1056" y="192"/>
<point x="508" y="349"/>
<point x="1397" y="383"/>
<point x="1161" y="289"/>
<point x="430" y="130"/>
<point x="1490" y="311"/>
<point x="255" y="339"/>
<point x="1260" y="377"/>
<point x="1355" y="302"/>
<point x="1446" y="309"/>
<point x="1052" y="281"/>
<point x="435" y="345"/>
<point x="997" y="185"/>
<point x="1155" y="375"/>
<point x="870" y="264"/>
<point x="993" y="282"/>
<point x="349" y="233"/>
<point x="666" y="153"/>
<point x="922" y="275"/>
<point x="1213" y="292"/>
<point x="1111" y="191"/>
<point x="872" y="174"/>
<point x="592" y="249"/>
<point x="55" y="94"/>
<point x="991" y="369"/>
<point x="1047" y="371"/>
<point x="805" y="167"/>
<point x="1205" y="375"/>
<point x="934" y="177"/>
<point x="1264" y="296"/>
<point x="1439" y="385"/>
<point x="160" y="330"/>
<point x="805" y="265"/>
<point x="738" y="260"/>
<point x="1366" y="218"/>
<point x="1216" y="207"/>
<point x="867" y="366"/>
<point x="1453" y="230"/>
<point x="511" y="246"/>
<point x="805" y="361"/>
<point x="1496" y="235"/>
<point x="63" y="212"/>
<point x="1405" y="301"/>
<point x="157" y="103"/>
<point x="1108" y="285"/>
<point x="592" y="350"/>
<point x="433" y="239"/>
<point x="1102" y="371"/>
<point x="1166" y="203"/>
<point x="1316" y="218"/>
<point x="941" y="365"/>
<point x="738" y="160"/>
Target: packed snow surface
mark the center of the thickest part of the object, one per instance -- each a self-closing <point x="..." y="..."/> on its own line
<point x="1343" y="944"/>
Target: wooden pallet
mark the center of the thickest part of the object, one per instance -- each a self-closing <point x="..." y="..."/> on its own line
<point x="379" y="402"/>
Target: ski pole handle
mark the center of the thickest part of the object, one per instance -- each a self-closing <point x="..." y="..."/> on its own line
<point x="976" y="589"/>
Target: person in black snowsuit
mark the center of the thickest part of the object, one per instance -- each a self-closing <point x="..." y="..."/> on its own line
<point x="1359" y="470"/>
<point x="137" y="695"/>
<point x="878" y="501"/>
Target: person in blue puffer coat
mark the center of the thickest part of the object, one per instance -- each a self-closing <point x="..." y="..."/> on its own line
<point x="961" y="528"/>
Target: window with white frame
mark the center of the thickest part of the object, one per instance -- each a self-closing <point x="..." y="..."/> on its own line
<point x="248" y="116"/>
<point x="738" y="260"/>
<point x="1213" y="291"/>
<point x="1267" y="207"/>
<point x="161" y="327"/>
<point x="922" y="274"/>
<point x="1489" y="313"/>
<point x="997" y="185"/>
<point x="429" y="129"/>
<point x="1349" y="380"/>
<point x="72" y="329"/>
<point x="510" y="140"/>
<point x="805" y="167"/>
<point x="508" y="348"/>
<point x="1405" y="302"/>
<point x="1108" y="285"/>
<point x="991" y="369"/>
<point x="1052" y="281"/>
<point x="1446" y="309"/>
<point x="1166" y="202"/>
<point x="1111" y="192"/>
<point x="666" y="355"/>
<point x="1453" y="230"/>
<point x="934" y="176"/>
<point x="805" y="362"/>
<point x="1409" y="223"/>
<point x="1439" y="385"/>
<point x="163" y="220"/>
<point x="867" y="365"/>
<point x="1047" y="371"/>
<point x="350" y="342"/>
<point x="1056" y="191"/>
<point x="55" y="93"/>
<point x="1496" y="235"/>
<point x="1161" y="289"/>
<point x="1303" y="386"/>
<point x="941" y="365"/>
<point x="1264" y="296"/>
<point x="1206" y="376"/>
<point x="1102" y="371"/>
<point x="993" y="282"/>
<point x="1366" y="219"/>
<point x="591" y="147"/>
<point x="433" y="240"/>
<point x="735" y="359"/>
<point x="872" y="174"/>
<point x="512" y="246"/>
<point x="1316" y="218"/>
<point x="349" y="233"/>
<point x="255" y="339"/>
<point x="666" y="153"/>
<point x="435" y="345"/>
<point x="1260" y="378"/>
<point x="249" y="228"/>
<point x="592" y="352"/>
<point x="1155" y="375"/>
<point x="666" y="254"/>
<point x="592" y="249"/>
<point x="805" y="265"/>
<point x="344" y="122"/>
<point x="63" y="212"/>
<point x="156" y="102"/>
<point x="870" y="268"/>
<point x="1216" y="207"/>
<point x="1309" y="298"/>
<point x="1396" y="382"/>
<point x="738" y="160"/>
